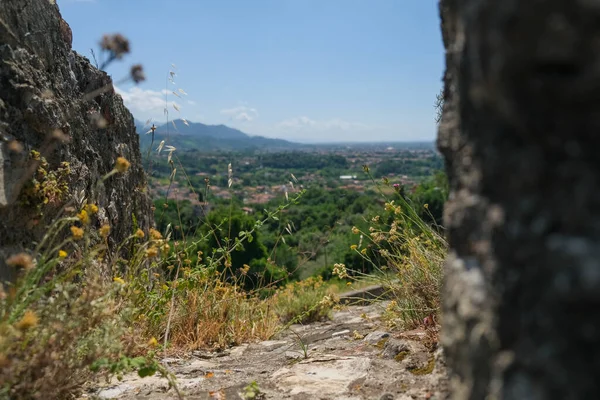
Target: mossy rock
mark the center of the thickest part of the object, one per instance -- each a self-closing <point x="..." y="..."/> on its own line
<point x="425" y="370"/>
<point x="381" y="343"/>
<point x="401" y="356"/>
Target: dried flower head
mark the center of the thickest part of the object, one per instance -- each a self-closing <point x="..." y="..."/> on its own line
<point x="154" y="234"/>
<point x="137" y="73"/>
<point x="116" y="44"/>
<point x="21" y="260"/>
<point x="152" y="252"/>
<point x="139" y="234"/>
<point x="340" y="271"/>
<point x="122" y="165"/>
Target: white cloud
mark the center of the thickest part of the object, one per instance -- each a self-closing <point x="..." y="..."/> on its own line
<point x="241" y="113"/>
<point x="146" y="104"/>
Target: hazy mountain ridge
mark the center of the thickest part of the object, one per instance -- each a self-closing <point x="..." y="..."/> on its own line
<point x="196" y="135"/>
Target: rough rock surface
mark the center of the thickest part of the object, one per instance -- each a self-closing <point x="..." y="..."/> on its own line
<point x="520" y="135"/>
<point x="337" y="366"/>
<point x="42" y="87"/>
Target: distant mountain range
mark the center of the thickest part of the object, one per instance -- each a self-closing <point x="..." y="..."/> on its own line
<point x="195" y="135"/>
<point x="202" y="137"/>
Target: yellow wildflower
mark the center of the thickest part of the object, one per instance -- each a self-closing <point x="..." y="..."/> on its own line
<point x="355" y="230"/>
<point x="363" y="251"/>
<point x="21" y="260"/>
<point x="154" y="234"/>
<point x="122" y="165"/>
<point x="62" y="254"/>
<point x="84" y="217"/>
<point x="118" y="280"/>
<point x="139" y="234"/>
<point x="104" y="230"/>
<point x="91" y="208"/>
<point x="165" y="249"/>
<point x="353" y="247"/>
<point x="29" y="320"/>
<point x="153" y="342"/>
<point x="77" y="233"/>
<point x="152" y="252"/>
<point x="426" y="205"/>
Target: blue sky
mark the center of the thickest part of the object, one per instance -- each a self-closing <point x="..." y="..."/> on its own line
<point x="307" y="70"/>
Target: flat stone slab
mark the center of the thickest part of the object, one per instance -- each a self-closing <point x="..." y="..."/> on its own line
<point x="324" y="376"/>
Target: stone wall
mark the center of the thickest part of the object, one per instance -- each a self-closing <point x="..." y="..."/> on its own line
<point x="43" y="84"/>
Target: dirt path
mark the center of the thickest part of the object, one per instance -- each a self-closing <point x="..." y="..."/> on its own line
<point x="351" y="357"/>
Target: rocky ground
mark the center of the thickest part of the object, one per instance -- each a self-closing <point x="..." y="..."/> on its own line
<point x="350" y="357"/>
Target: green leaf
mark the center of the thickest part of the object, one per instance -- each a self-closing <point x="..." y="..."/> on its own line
<point x="147" y="371"/>
<point x="138" y="362"/>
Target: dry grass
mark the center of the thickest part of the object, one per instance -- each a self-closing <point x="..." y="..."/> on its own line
<point x="210" y="313"/>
